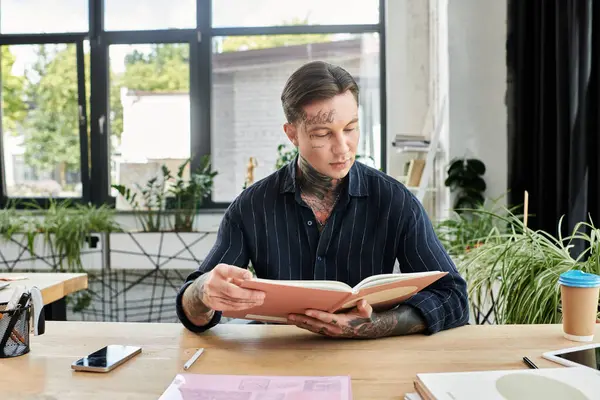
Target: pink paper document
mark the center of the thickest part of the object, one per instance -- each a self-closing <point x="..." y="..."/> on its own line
<point x="246" y="387"/>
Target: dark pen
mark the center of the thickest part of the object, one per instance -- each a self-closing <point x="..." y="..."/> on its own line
<point x="529" y="363"/>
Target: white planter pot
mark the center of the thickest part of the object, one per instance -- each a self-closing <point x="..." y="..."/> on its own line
<point x="15" y="254"/>
<point x="164" y="250"/>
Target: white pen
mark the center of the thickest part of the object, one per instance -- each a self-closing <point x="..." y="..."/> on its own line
<point x="193" y="359"/>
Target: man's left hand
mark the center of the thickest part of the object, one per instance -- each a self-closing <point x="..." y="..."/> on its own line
<point x="360" y="322"/>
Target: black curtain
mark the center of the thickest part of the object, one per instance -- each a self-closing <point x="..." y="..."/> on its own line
<point x="553" y="98"/>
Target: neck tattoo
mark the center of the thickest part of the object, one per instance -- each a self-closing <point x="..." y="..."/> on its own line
<point x="319" y="192"/>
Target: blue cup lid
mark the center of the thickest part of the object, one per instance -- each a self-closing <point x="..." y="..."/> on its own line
<point x="576" y="278"/>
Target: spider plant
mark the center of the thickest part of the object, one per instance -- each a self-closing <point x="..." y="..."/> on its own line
<point x="525" y="265"/>
<point x="468" y="228"/>
<point x="66" y="228"/>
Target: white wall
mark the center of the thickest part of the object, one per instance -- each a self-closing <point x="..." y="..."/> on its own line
<point x="407" y="72"/>
<point x="471" y="68"/>
<point x="477" y="78"/>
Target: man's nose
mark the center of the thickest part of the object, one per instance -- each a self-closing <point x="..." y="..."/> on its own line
<point x="341" y="145"/>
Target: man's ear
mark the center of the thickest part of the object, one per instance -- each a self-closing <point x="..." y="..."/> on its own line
<point x="292" y="133"/>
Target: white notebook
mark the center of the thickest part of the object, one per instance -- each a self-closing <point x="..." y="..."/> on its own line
<point x="576" y="383"/>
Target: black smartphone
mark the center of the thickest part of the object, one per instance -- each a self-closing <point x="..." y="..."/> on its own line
<point x="106" y="359"/>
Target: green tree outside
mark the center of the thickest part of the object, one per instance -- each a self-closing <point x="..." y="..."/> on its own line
<point x="14" y="108"/>
<point x="52" y="124"/>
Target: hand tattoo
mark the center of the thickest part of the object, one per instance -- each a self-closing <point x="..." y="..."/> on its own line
<point x="404" y="320"/>
<point x="196" y="311"/>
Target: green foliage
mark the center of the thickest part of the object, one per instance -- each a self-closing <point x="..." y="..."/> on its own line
<point x="285" y="155"/>
<point x="521" y="267"/>
<point x="255" y="42"/>
<point x="50" y="92"/>
<point x="63" y="227"/>
<point x="465" y="178"/>
<point x="52" y="126"/>
<point x="13" y="92"/>
<point x="153" y="195"/>
<point x="164" y="69"/>
<point x="187" y="196"/>
<point x="68" y="227"/>
<point x="10" y="221"/>
<point x="168" y="192"/>
<point x="470" y="227"/>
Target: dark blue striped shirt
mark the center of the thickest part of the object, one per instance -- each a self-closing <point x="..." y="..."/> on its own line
<point x="375" y="222"/>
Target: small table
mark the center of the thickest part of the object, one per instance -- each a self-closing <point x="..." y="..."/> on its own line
<point x="54" y="287"/>
<point x="379" y="369"/>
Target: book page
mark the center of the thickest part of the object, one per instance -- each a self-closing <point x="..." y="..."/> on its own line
<point x="247" y="387"/>
<point x="382" y="296"/>
<point x="378" y="280"/>
<point x="324" y="285"/>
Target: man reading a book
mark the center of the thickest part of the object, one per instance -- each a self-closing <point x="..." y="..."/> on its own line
<point x="325" y="216"/>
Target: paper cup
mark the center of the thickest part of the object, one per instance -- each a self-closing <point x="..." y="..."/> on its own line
<point x="579" y="294"/>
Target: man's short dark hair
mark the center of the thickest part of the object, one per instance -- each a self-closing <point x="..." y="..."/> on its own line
<point x="316" y="80"/>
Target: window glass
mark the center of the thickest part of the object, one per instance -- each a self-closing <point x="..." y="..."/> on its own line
<point x="43" y="16"/>
<point x="40" y="121"/>
<point x="248" y="13"/>
<point x="126" y="15"/>
<point x="149" y="112"/>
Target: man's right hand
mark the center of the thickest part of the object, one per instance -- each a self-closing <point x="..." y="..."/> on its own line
<point x="219" y="290"/>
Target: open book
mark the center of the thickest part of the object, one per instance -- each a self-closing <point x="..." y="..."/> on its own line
<point x="287" y="297"/>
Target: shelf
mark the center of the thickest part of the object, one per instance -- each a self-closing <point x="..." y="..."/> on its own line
<point x="413" y="149"/>
<point x="402" y="180"/>
<point x="416" y="189"/>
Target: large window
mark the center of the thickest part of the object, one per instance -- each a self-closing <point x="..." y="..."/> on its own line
<point x="120" y="88"/>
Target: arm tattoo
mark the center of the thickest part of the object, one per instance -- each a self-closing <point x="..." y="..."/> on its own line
<point x="404" y="320"/>
<point x="195" y="310"/>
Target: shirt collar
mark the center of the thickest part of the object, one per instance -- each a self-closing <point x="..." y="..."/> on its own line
<point x="357" y="184"/>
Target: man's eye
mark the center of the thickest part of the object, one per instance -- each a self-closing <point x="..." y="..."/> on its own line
<point x="321" y="135"/>
<point x="350" y="129"/>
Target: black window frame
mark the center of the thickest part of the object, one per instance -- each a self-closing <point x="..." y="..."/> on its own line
<point x="95" y="170"/>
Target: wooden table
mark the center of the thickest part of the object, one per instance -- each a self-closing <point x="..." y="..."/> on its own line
<point x="54" y="287"/>
<point x="380" y="369"/>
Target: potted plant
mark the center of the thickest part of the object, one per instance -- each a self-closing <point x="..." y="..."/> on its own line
<point x="285" y="155"/>
<point x="465" y="181"/>
<point x="17" y="239"/>
<point x="517" y="272"/>
<point x="64" y="238"/>
<point x="166" y="207"/>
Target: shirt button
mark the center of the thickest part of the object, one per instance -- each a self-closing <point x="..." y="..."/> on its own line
<point x="319" y="258"/>
<point x="309" y="223"/>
